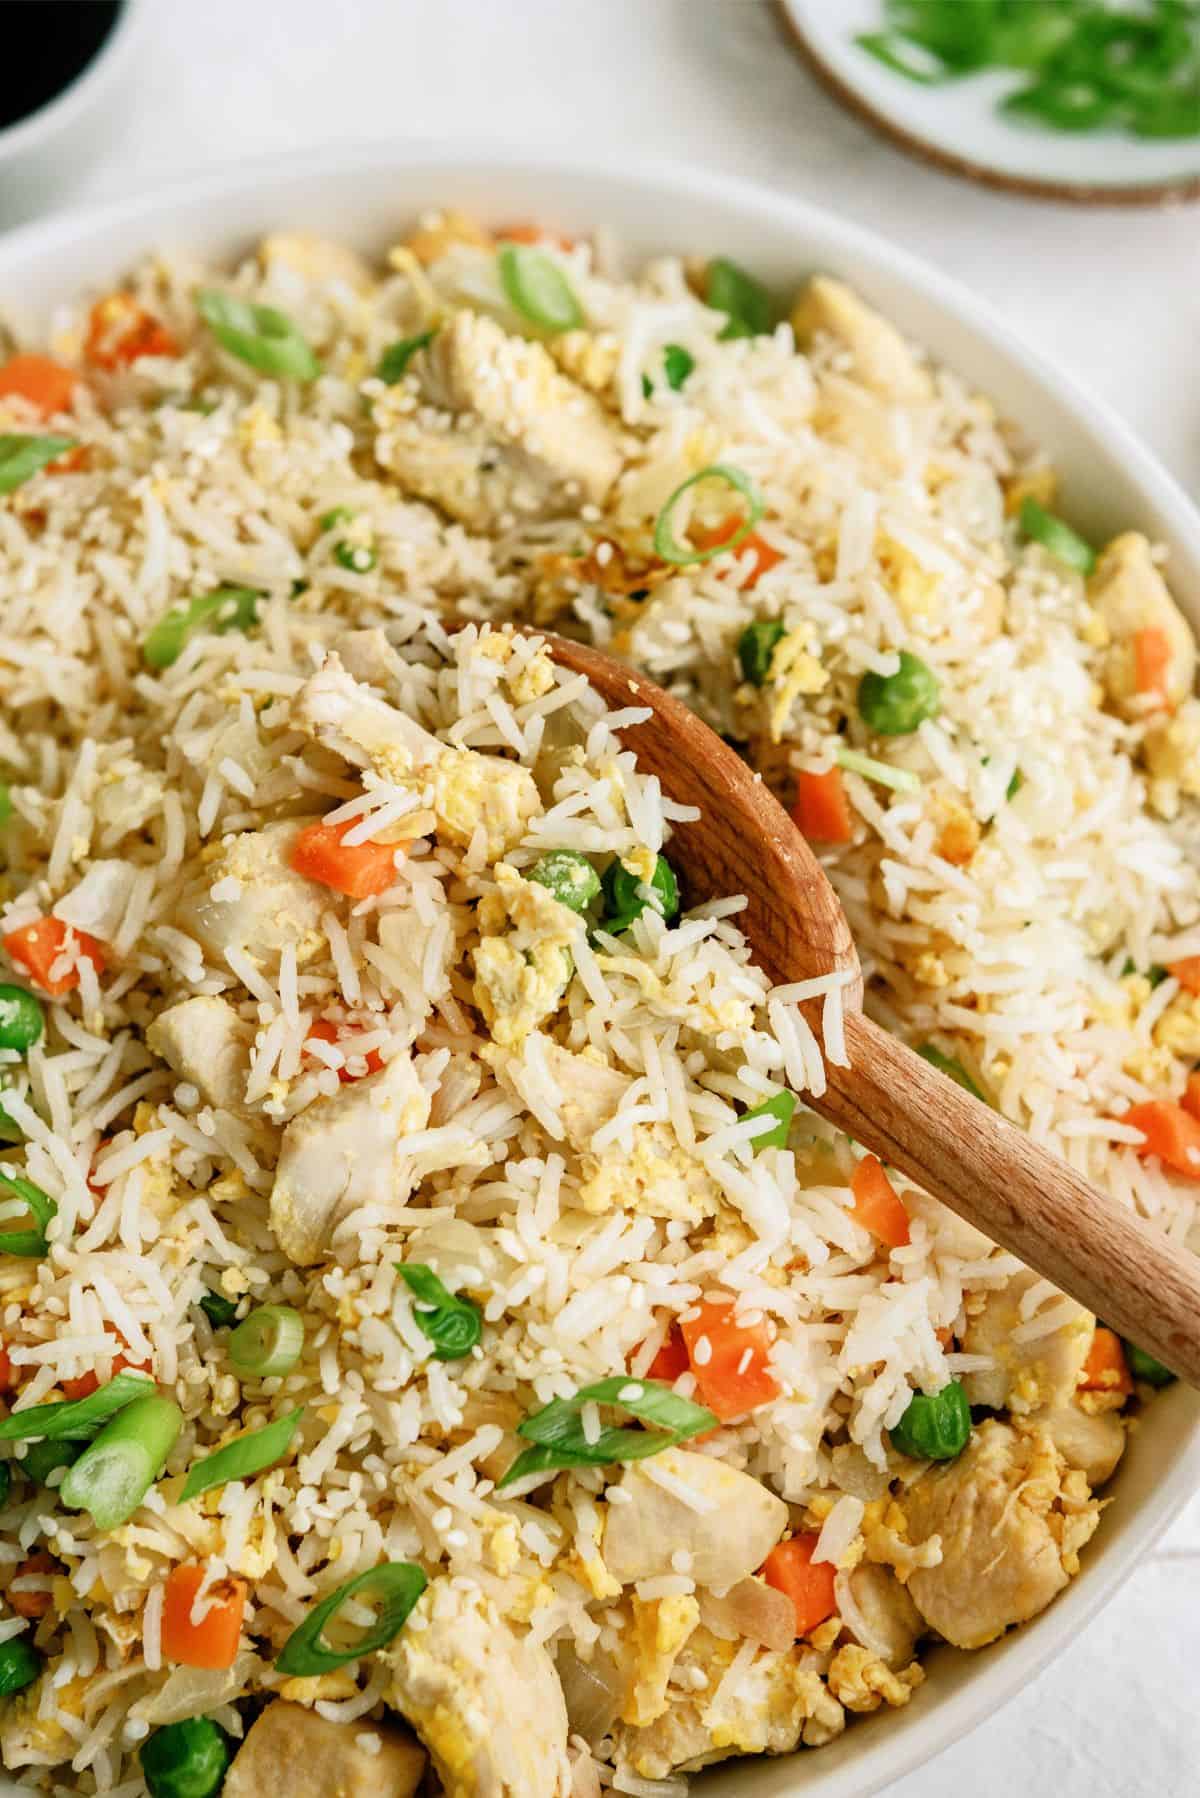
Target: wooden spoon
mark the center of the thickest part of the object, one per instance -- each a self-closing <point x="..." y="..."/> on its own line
<point x="889" y="1099"/>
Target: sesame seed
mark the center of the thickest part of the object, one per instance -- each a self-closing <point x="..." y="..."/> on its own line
<point x="702" y="1353"/>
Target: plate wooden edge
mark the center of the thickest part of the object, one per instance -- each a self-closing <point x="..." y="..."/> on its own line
<point x="1167" y="193"/>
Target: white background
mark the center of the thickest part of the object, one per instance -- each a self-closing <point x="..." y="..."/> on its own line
<point x="1114" y="295"/>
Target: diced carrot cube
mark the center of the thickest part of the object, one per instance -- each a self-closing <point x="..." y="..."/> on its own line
<point x="822" y="811"/>
<point x="1106" y="1369"/>
<point x="1171" y="1133"/>
<point x="119" y="331"/>
<point x="360" y="870"/>
<point x="765" y="558"/>
<point x="790" y="1568"/>
<point x="729" y="1358"/>
<point x="213" y="1642"/>
<point x="671" y="1359"/>
<point x="37" y="947"/>
<point x="877" y="1206"/>
<point x="1191" y="1098"/>
<point x="1151" y="660"/>
<point x="47" y="385"/>
<point x="1187" y="972"/>
<point x="325" y="1032"/>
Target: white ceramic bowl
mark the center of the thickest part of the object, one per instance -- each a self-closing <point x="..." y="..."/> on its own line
<point x="1110" y="482"/>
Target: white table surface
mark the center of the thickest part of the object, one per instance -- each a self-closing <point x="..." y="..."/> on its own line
<point x="1114" y="295"/>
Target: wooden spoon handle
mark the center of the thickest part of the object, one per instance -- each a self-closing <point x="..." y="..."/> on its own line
<point x="1023" y="1197"/>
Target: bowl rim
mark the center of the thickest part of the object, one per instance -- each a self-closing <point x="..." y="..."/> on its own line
<point x="60" y="112"/>
<point x="198" y="203"/>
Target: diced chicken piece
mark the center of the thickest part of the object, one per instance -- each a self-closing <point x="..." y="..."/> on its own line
<point x="368" y="656"/>
<point x="723" y="1519"/>
<point x="592" y="1092"/>
<point x="206" y="1043"/>
<point x="316" y="258"/>
<point x="523" y="439"/>
<point x="346" y="717"/>
<point x="486" y="1701"/>
<point x="468" y="789"/>
<point x="293" y="1752"/>
<point x="862" y="1682"/>
<point x="881" y="359"/>
<point x="340" y="1152"/>
<point x="770" y="1708"/>
<point x="1001" y="1511"/>
<point x="1092" y="1441"/>
<point x="1172" y="749"/>
<point x="1031" y="1374"/>
<point x="271" y="908"/>
<point x="880" y="1613"/>
<point x="1130" y="594"/>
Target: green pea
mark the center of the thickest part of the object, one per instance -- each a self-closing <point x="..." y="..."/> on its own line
<point x="357" y="558"/>
<point x="186" y="1760"/>
<point x="677" y="363"/>
<point x="41" y="1459"/>
<point x="756" y="647"/>
<point x="219" y="1311"/>
<point x="936" y="1425"/>
<point x="892" y="705"/>
<point x="622" y="900"/>
<point x="779" y="1106"/>
<point x="19" y="1666"/>
<point x="20" y="1018"/>
<point x="568" y="875"/>
<point x="1144" y="1367"/>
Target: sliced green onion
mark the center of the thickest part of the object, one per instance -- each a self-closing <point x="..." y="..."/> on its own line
<point x="260" y="335"/>
<point x="779" y="1106"/>
<point x="41" y="1459"/>
<point x="356" y="558"/>
<point x="623" y="901"/>
<point x="330" y="520"/>
<point x="1044" y="528"/>
<point x="220" y="1311"/>
<point x="567" y="874"/>
<point x="537" y="288"/>
<point x="936" y="1426"/>
<point x="5" y="1481"/>
<point x="77" y="1416"/>
<point x="756" y="648"/>
<point x="224" y="609"/>
<point x="393" y="364"/>
<point x="557" y="1429"/>
<point x="911" y="60"/>
<point x="244" y="1456"/>
<point x="1144" y="1367"/>
<point x="665" y="545"/>
<point x="20" y="1665"/>
<point x="893" y="705"/>
<point x="268" y="1342"/>
<point x="677" y="364"/>
<point x="901" y="780"/>
<point x="953" y="1070"/>
<point x="21" y="1021"/>
<point x="188" y="1759"/>
<point x="114" y="1473"/>
<point x="22" y="455"/>
<point x="744" y="301"/>
<point x="6" y="804"/>
<point x="452" y="1324"/>
<point x="1167" y="116"/>
<point x="396" y="1584"/>
<point x="32" y="1243"/>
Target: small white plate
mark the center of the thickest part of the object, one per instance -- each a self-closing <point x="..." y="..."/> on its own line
<point x="958" y="127"/>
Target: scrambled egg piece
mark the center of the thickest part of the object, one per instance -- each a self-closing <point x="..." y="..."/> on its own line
<point x="1179" y="1027"/>
<point x="589" y="357"/>
<point x="659" y="1629"/>
<point x="795" y="673"/>
<point x="1172" y="752"/>
<point x="959" y="833"/>
<point x="912" y="587"/>
<point x="521" y="977"/>
<point x="436" y="233"/>
<point x="862" y="1682"/>
<point x="1038" y="484"/>
<point x="471" y="789"/>
<point x="658" y="1178"/>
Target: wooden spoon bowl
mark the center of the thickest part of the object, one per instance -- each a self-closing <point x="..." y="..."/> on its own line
<point x="889" y="1099"/>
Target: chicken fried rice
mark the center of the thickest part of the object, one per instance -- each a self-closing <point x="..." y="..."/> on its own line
<point x="442" y="1351"/>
